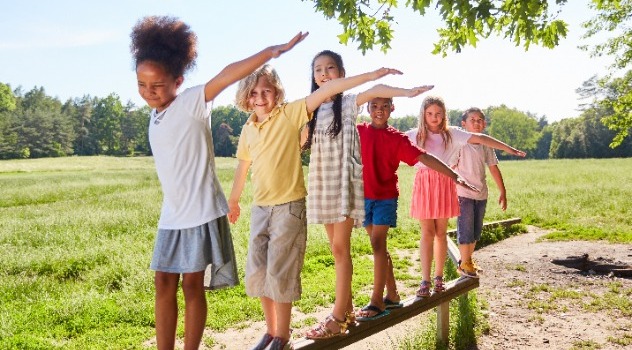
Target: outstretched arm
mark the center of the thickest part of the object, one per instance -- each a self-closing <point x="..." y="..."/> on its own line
<point x="336" y="86"/>
<point x="494" y="143"/>
<point x="498" y="178"/>
<point x="386" y="91"/>
<point x="240" y="69"/>
<point x="241" y="173"/>
<point x="436" y="164"/>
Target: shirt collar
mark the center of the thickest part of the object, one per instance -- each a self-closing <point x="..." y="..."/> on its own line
<point x="252" y="120"/>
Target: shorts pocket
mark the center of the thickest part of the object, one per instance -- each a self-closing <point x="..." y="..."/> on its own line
<point x="297" y="209"/>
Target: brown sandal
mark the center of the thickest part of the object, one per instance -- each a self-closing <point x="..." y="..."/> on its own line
<point x="321" y="331"/>
<point x="350" y="318"/>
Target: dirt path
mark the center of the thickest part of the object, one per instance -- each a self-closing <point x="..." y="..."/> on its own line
<point x="533" y="304"/>
<point x="520" y="281"/>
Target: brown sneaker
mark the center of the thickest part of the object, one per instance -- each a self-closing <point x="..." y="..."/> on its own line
<point x="467" y="269"/>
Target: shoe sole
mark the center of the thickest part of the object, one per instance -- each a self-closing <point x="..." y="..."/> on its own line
<point x="465" y="274"/>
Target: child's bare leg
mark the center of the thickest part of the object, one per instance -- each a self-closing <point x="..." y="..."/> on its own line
<point x="426" y="247"/>
<point x="283" y="315"/>
<point x="269" y="312"/>
<point x="166" y="309"/>
<point x="472" y="248"/>
<point x="331" y="247"/>
<point x="466" y="251"/>
<point x="195" y="309"/>
<point x="391" y="286"/>
<point x="380" y="264"/>
<point x="440" y="245"/>
<point x="340" y="241"/>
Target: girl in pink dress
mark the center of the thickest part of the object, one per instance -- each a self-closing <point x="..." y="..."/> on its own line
<point x="434" y="199"/>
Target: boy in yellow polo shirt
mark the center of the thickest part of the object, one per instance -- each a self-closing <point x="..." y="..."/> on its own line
<point x="269" y="143"/>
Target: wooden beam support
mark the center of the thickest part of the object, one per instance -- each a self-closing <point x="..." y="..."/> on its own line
<point x="504" y="223"/>
<point x="453" y="249"/>
<point x="443" y="322"/>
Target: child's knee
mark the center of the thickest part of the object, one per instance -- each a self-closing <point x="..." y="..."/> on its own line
<point x="192" y="288"/>
<point x="165" y="282"/>
<point x="378" y="244"/>
<point x="340" y="251"/>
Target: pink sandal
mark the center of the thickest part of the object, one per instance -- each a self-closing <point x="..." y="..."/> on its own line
<point x="438" y="284"/>
<point x="424" y="289"/>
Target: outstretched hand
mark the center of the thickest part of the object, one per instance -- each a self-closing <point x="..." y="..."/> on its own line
<point x="278" y="50"/>
<point x="517" y="152"/>
<point x="416" y="91"/>
<point x="385" y="71"/>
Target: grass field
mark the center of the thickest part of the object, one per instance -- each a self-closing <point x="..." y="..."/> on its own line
<point x="77" y="236"/>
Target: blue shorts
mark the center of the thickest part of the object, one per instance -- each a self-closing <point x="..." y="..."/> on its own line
<point x="380" y="212"/>
<point x="470" y="222"/>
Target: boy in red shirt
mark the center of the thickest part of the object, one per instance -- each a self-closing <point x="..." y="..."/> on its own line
<point x="383" y="148"/>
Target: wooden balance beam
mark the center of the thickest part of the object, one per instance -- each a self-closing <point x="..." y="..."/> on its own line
<point x="413" y="306"/>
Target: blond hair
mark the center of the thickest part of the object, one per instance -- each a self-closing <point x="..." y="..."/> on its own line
<point x="247" y="84"/>
<point x="422" y="128"/>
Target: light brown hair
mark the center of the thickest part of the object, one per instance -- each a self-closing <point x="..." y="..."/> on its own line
<point x="248" y="83"/>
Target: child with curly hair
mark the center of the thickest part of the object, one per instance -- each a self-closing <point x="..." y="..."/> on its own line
<point x="191" y="231"/>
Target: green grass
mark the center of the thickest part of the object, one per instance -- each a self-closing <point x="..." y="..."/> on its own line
<point x="77" y="236"/>
<point x="467" y="321"/>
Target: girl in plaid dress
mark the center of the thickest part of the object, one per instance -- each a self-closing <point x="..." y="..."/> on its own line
<point x="335" y="187"/>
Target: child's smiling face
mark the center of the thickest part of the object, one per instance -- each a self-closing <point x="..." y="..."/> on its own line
<point x="326" y="69"/>
<point x="380" y="110"/>
<point x="155" y="85"/>
<point x="262" y="98"/>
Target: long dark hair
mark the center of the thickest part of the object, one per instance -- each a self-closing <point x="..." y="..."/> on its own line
<point x="336" y="125"/>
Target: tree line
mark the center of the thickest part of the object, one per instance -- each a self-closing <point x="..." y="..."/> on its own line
<point x="35" y="125"/>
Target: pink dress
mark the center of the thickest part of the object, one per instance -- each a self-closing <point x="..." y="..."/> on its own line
<point x="434" y="194"/>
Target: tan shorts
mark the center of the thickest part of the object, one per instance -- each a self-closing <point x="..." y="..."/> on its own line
<point x="278" y="236"/>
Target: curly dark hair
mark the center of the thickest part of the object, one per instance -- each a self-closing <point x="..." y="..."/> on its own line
<point x="165" y="40"/>
<point x="336" y="125"/>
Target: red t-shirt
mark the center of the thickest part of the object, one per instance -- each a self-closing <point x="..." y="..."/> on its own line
<point x="382" y="151"/>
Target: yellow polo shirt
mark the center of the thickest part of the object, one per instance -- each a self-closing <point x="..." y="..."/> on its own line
<point x="273" y="146"/>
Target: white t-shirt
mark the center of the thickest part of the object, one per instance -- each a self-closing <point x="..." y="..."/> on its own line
<point x="470" y="164"/>
<point x="435" y="146"/>
<point x="182" y="145"/>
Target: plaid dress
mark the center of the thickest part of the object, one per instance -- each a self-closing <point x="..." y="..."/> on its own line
<point x="335" y="189"/>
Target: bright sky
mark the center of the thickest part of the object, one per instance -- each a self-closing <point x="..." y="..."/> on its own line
<point x="76" y="48"/>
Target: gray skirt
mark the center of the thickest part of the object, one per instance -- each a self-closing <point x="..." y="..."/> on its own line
<point x="208" y="247"/>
